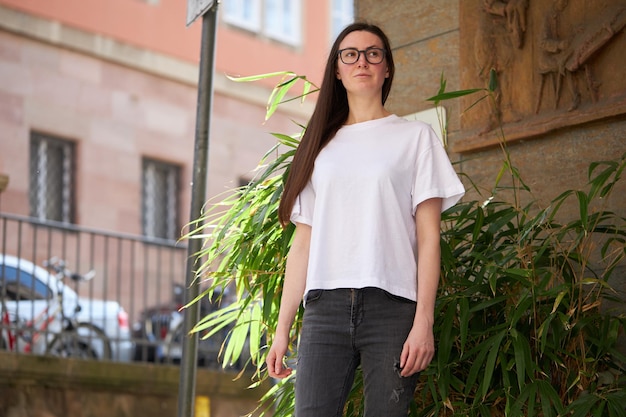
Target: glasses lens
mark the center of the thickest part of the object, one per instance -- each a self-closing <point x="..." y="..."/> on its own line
<point x="374" y="55"/>
<point x="349" y="55"/>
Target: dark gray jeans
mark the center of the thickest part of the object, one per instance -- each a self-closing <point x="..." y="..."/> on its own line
<point x="345" y="328"/>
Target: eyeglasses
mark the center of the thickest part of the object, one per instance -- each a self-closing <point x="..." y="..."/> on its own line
<point x="372" y="55"/>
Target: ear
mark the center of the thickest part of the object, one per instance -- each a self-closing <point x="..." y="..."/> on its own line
<point x="338" y="75"/>
<point x="387" y="73"/>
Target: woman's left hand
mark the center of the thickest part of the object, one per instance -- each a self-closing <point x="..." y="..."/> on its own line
<point x="419" y="349"/>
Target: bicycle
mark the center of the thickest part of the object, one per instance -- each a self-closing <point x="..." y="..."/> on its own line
<point x="76" y="339"/>
<point x="52" y="331"/>
<point x="7" y="338"/>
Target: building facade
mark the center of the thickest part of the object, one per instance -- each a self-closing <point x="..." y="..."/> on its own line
<point x="98" y="103"/>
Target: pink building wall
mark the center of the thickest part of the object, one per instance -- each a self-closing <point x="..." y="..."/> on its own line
<point x="161" y="27"/>
<point x="118" y="114"/>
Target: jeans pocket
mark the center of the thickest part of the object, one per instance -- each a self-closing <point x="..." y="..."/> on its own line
<point x="398" y="298"/>
<point x="313" y="295"/>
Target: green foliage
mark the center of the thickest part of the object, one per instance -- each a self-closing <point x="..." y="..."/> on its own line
<point x="521" y="323"/>
<point x="521" y="320"/>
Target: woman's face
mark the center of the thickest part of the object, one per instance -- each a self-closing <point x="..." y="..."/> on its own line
<point x="362" y="77"/>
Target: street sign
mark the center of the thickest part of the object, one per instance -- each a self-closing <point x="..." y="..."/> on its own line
<point x="196" y="8"/>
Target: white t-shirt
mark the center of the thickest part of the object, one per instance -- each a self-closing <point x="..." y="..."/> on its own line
<point x="361" y="201"/>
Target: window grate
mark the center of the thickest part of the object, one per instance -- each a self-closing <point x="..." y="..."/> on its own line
<point x="160" y="199"/>
<point x="51" y="190"/>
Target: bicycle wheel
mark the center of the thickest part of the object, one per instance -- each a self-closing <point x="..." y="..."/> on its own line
<point x="84" y="341"/>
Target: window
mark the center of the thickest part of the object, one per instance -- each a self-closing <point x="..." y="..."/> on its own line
<point x="342" y="16"/>
<point x="20" y="285"/>
<point x="276" y="19"/>
<point x="160" y="199"/>
<point x="51" y="190"/>
<point x="282" y="20"/>
<point x="243" y="13"/>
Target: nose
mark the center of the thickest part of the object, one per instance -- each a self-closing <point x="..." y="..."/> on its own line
<point x="362" y="60"/>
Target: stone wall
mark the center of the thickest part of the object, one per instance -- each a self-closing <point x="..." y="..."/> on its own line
<point x="34" y="386"/>
<point x="551" y="141"/>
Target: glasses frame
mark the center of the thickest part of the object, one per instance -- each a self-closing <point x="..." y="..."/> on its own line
<point x="364" y="52"/>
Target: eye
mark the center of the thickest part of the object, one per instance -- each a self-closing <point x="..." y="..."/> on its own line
<point x="374" y="53"/>
<point x="350" y="53"/>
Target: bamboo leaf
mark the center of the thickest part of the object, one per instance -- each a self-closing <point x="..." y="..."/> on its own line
<point x="445" y="343"/>
<point x="463" y="322"/>
<point x="490" y="364"/>
<point x="523" y="358"/>
<point x="493" y="80"/>
<point x="557" y="301"/>
<point x="237" y="339"/>
<point x="453" y="94"/>
<point x="260" y="76"/>
<point x="277" y="96"/>
<point x="476" y="366"/>
<point x="255" y="331"/>
<point x="583" y="204"/>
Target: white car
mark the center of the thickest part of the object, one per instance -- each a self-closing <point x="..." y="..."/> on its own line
<point x="31" y="303"/>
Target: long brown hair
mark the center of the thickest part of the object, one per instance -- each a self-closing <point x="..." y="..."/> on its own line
<point x="331" y="112"/>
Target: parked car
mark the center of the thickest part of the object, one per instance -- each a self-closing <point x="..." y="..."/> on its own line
<point x="40" y="308"/>
<point x="159" y="332"/>
<point x="150" y="331"/>
<point x="208" y="348"/>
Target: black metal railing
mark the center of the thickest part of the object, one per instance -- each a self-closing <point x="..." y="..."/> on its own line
<point x="144" y="275"/>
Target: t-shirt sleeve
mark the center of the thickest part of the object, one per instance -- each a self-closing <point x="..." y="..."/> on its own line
<point x="302" y="211"/>
<point x="435" y="177"/>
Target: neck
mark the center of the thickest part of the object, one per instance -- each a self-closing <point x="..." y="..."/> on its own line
<point x="363" y="112"/>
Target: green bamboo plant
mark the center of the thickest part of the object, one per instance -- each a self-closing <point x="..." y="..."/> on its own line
<point x="522" y="322"/>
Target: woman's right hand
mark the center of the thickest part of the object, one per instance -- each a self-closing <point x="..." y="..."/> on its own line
<point x="275" y="360"/>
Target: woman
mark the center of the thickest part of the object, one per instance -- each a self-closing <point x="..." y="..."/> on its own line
<point x="365" y="191"/>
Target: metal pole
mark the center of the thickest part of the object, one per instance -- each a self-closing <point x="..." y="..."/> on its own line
<point x="188" y="366"/>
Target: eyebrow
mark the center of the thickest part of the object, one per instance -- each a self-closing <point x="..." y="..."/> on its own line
<point x="367" y="47"/>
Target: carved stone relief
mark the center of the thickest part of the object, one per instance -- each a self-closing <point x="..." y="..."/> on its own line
<point x="558" y="62"/>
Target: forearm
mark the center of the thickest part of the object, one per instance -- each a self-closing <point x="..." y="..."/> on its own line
<point x="293" y="291"/>
<point x="295" y="280"/>
<point x="428" y="226"/>
<point x="428" y="272"/>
